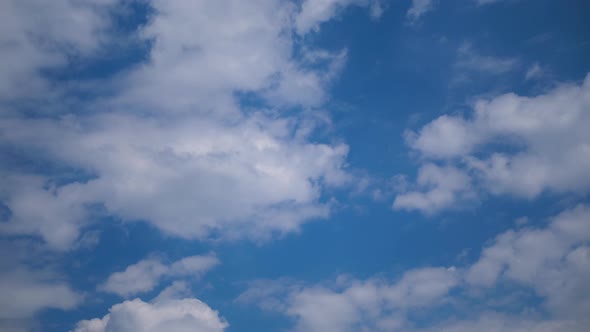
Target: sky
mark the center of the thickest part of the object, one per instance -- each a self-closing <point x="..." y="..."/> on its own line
<point x="294" y="165"/>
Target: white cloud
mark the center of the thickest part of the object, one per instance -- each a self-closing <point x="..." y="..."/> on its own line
<point x="352" y="305"/>
<point x="495" y="322"/>
<point x="147" y="274"/>
<point x="188" y="177"/>
<point x="552" y="262"/>
<point x="438" y="188"/>
<point x="176" y="149"/>
<point x="39" y="35"/>
<point x="419" y="8"/>
<point x="41" y="209"/>
<point x="26" y="291"/>
<point x="315" y="12"/>
<point x="469" y="59"/>
<point x="447" y="136"/>
<point x="182" y="315"/>
<point x="241" y="46"/>
<point x="517" y="145"/>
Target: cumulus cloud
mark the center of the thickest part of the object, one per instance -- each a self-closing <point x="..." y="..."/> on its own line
<point x="40" y="35"/>
<point x="438" y="188"/>
<point x="551" y="261"/>
<point x="176" y="148"/>
<point x="352" y="305"/>
<point x="165" y="140"/>
<point x="241" y="46"/>
<point x="510" y="144"/>
<point x="145" y="275"/>
<point x="159" y="316"/>
<point x="189" y="178"/>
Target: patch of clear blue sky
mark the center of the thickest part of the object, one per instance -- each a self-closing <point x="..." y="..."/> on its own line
<point x="397" y="77"/>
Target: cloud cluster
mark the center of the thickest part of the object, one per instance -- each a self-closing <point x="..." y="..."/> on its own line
<point x="552" y="262"/>
<point x="191" y="136"/>
<point x="509" y="144"/>
<point x="181" y="315"/>
<point x="189" y="178"/>
<point x="315" y="12"/>
<point x="169" y="140"/>
<point x="145" y="275"/>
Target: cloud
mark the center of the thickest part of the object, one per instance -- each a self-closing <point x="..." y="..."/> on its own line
<point x="438" y="188"/>
<point x="419" y="8"/>
<point x="189" y="178"/>
<point x="492" y="322"/>
<point x="41" y="35"/>
<point x="25" y="292"/>
<point x="242" y="46"/>
<point x="315" y="12"/>
<point x="510" y="144"/>
<point x="38" y="208"/>
<point x="534" y="71"/>
<point x="552" y="262"/>
<point x="145" y="275"/>
<point x="468" y="59"/>
<point x="159" y="316"/>
<point x="171" y="144"/>
<point x="352" y="305"/>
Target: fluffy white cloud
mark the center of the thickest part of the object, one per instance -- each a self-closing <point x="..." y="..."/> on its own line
<point x="38" y="208"/>
<point x="438" y="188"/>
<point x="189" y="178"/>
<point x="352" y="305"/>
<point x="182" y="315"/>
<point x="146" y="274"/>
<point x="516" y="145"/>
<point x="554" y="261"/>
<point x="176" y="148"/>
<point x="551" y="261"/>
<point x="39" y="35"/>
<point x="241" y="46"/>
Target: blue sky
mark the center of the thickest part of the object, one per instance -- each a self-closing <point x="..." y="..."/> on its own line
<point x="305" y="165"/>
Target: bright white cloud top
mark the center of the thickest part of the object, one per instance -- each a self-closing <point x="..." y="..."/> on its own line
<point x="547" y="134"/>
<point x="172" y="315"/>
